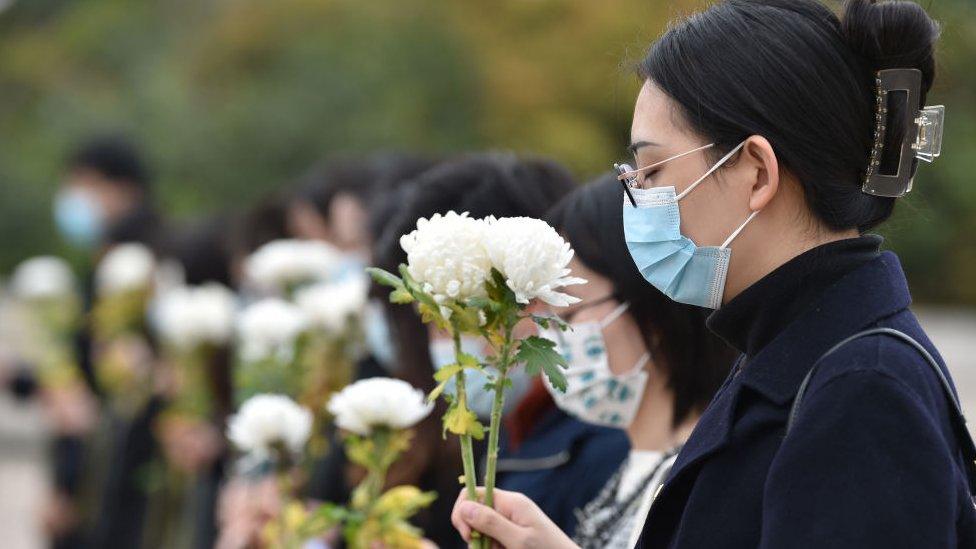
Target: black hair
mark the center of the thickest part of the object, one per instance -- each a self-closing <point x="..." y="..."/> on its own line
<point x="365" y="178"/>
<point x="115" y="158"/>
<point x="498" y="184"/>
<point x="694" y="360"/>
<point x="264" y="222"/>
<point x="203" y="249"/>
<point x="796" y="74"/>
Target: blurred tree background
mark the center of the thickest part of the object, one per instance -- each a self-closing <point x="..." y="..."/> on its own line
<point x="234" y="98"/>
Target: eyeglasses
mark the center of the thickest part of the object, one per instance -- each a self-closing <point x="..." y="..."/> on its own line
<point x="623" y="171"/>
<point x="627" y="175"/>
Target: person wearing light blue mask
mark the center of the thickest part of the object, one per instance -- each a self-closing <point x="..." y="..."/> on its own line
<point x="769" y="137"/>
<point x="104" y="196"/>
<point x="78" y="217"/>
<point x="670" y="261"/>
<point x="635" y="361"/>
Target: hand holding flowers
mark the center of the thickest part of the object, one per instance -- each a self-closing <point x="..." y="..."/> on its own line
<point x="478" y="277"/>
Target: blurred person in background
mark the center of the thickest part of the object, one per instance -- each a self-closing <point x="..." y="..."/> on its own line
<point x="329" y="203"/>
<point x="482" y="185"/>
<point x="263" y="222"/>
<point x="182" y="512"/>
<point x="105" y="198"/>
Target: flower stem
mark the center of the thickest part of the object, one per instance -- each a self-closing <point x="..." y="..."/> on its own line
<point x="496" y="418"/>
<point x="467" y="448"/>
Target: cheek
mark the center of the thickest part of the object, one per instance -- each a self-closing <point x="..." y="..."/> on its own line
<point x="707" y="215"/>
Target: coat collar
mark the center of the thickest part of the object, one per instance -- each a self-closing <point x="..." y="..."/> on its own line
<point x="875" y="291"/>
<point x="871" y="292"/>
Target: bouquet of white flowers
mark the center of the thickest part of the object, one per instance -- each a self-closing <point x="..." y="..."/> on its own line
<point x="272" y="432"/>
<point x="269" y="334"/>
<point x="45" y="285"/>
<point x="123" y="360"/>
<point x="331" y="345"/>
<point x="281" y="267"/>
<point x="477" y="276"/>
<point x="194" y="324"/>
<point x="377" y="415"/>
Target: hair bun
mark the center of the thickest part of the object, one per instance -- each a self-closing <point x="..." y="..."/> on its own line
<point x="895" y="34"/>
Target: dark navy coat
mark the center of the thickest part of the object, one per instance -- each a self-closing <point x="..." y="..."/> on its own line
<point x="562" y="465"/>
<point x="872" y="460"/>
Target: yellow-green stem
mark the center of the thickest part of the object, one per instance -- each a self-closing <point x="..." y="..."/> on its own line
<point x="495" y="424"/>
<point x="467" y="447"/>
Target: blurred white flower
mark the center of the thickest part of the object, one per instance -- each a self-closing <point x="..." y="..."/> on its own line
<point x="124" y="268"/>
<point x="446" y="256"/>
<point x="378" y="402"/>
<point x="266" y="420"/>
<point x="533" y="258"/>
<point x="282" y="264"/>
<point x="42" y="277"/>
<point x="187" y="317"/>
<point x="329" y="307"/>
<point x="269" y="329"/>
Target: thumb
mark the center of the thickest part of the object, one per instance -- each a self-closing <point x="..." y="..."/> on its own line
<point x="489" y="522"/>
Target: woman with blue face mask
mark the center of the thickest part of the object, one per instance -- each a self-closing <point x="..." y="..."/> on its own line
<point x="769" y="136"/>
<point x="636" y="361"/>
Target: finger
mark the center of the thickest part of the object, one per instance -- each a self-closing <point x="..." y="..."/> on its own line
<point x="459" y="524"/>
<point x="456" y="520"/>
<point x="489" y="522"/>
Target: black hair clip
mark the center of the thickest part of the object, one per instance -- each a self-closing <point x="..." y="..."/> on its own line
<point x="923" y="135"/>
<point x="622" y="169"/>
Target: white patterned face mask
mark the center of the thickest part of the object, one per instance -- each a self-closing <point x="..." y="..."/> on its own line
<point x="595" y="394"/>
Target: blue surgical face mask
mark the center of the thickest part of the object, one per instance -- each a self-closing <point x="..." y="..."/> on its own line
<point x="351" y="265"/>
<point x="480" y="398"/>
<point x="79" y="217"/>
<point x="670" y="261"/>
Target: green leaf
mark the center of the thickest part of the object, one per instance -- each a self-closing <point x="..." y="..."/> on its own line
<point x="385" y="278"/>
<point x="538" y="354"/>
<point x="443" y="376"/>
<point x="401" y="296"/>
<point x="546" y="322"/>
<point x="469" y="362"/>
<point x="465" y="319"/>
<point x="462" y="421"/>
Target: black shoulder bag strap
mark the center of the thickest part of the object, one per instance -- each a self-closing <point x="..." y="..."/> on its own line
<point x="966" y="443"/>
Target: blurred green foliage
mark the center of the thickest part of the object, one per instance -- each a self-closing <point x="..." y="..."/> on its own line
<point x="233" y="98"/>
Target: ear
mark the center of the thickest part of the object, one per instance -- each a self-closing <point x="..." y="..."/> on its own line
<point x="758" y="156"/>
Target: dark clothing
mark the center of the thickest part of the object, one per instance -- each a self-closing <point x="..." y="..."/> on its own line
<point x="872" y="460"/>
<point x="561" y="465"/>
<point x="123" y="501"/>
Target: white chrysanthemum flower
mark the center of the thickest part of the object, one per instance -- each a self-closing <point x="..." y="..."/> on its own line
<point x="265" y="421"/>
<point x="188" y="317"/>
<point x="378" y="402"/>
<point x="329" y="307"/>
<point x="124" y="268"/>
<point x="533" y="258"/>
<point x="446" y="256"/>
<point x="269" y="328"/>
<point x="282" y="264"/>
<point x="43" y="277"/>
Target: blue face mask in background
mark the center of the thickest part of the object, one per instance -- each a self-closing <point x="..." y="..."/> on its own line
<point x="79" y="218"/>
<point x="670" y="261"/>
<point x="480" y="398"/>
<point x="379" y="339"/>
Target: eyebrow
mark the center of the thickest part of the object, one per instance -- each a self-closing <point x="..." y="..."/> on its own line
<point x="637" y="145"/>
